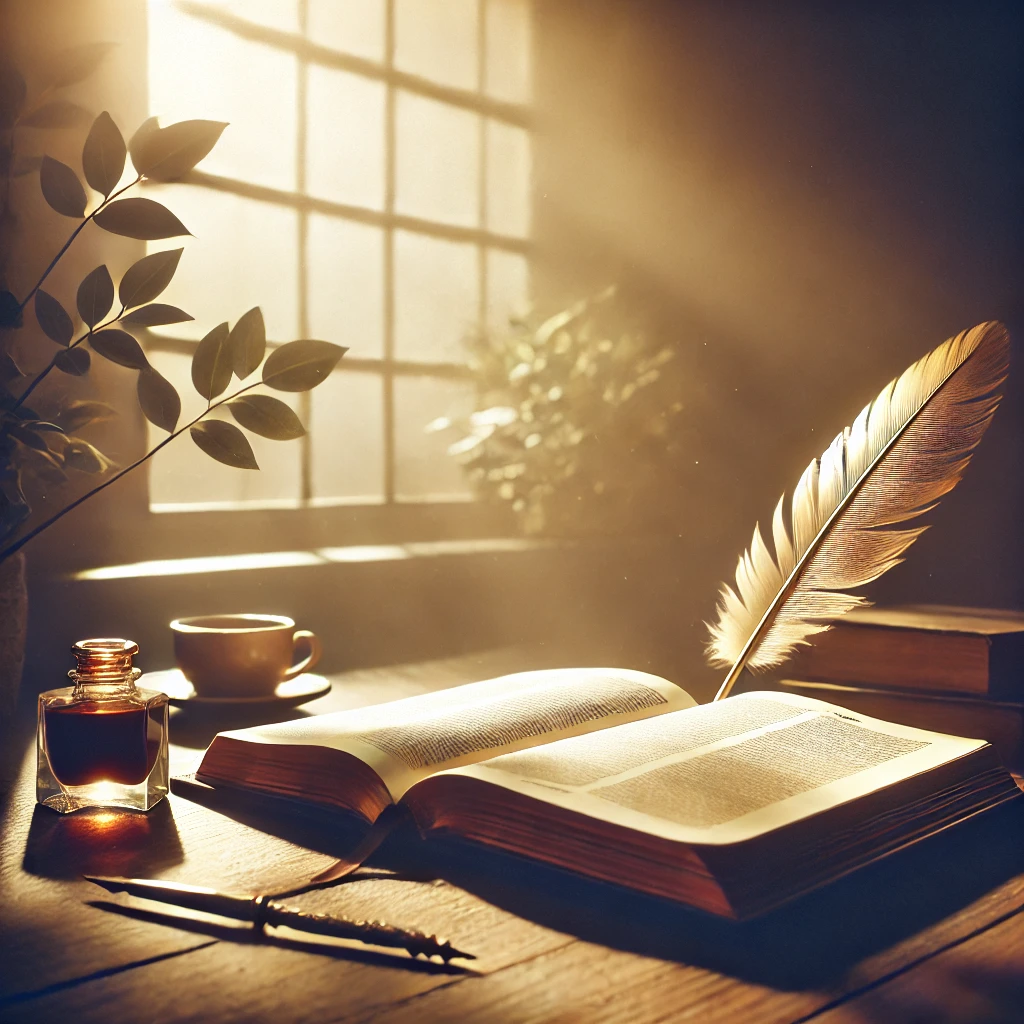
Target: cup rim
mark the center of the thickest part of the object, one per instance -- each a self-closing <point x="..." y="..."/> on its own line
<point x="193" y="623"/>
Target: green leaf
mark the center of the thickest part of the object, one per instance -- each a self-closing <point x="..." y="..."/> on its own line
<point x="95" y="296"/>
<point x="301" y="365"/>
<point x="248" y="342"/>
<point x="61" y="188"/>
<point x="12" y="93"/>
<point x="57" y="114"/>
<point x="211" y="364"/>
<point x="25" y="165"/>
<point x="160" y="402"/>
<point x="84" y="457"/>
<point x="76" y="414"/>
<point x="140" y="218"/>
<point x="266" y="416"/>
<point x="75" y="361"/>
<point x="145" y="279"/>
<point x="77" y="63"/>
<point x="167" y="154"/>
<point x="150" y="125"/>
<point x="225" y="443"/>
<point x="156" y="315"/>
<point x="10" y="309"/>
<point x="103" y="155"/>
<point x="53" y="319"/>
<point x="119" y="347"/>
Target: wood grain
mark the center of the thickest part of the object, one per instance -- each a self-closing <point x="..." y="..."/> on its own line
<point x="552" y="947"/>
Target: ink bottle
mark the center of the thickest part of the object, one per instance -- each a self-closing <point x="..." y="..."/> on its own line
<point x="103" y="741"/>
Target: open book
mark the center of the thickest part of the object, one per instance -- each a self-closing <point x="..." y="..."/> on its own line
<point x="732" y="807"/>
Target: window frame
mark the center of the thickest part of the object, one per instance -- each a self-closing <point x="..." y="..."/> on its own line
<point x="392" y="518"/>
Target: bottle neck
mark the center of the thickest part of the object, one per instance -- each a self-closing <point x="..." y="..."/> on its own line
<point x="88" y="687"/>
<point x="104" y="669"/>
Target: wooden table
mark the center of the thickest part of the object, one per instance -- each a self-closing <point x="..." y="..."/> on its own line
<point x="931" y="934"/>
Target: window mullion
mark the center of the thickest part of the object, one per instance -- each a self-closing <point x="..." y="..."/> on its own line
<point x="301" y="141"/>
<point x="388" y="381"/>
<point x="481" y="78"/>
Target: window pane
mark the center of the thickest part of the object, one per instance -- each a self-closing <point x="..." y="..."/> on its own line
<point x="347" y="435"/>
<point x="437" y="161"/>
<point x="279" y="14"/>
<point x="182" y="474"/>
<point x="508" y="180"/>
<point x="345" y="138"/>
<point x="423" y="467"/>
<point x="244" y="255"/>
<point x="507" y="60"/>
<point x="350" y="26"/>
<point x="508" y="288"/>
<point x="345" y="263"/>
<point x="197" y="70"/>
<point x="436" y="297"/>
<point x="436" y="39"/>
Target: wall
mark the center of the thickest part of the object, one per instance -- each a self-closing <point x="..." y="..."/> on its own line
<point x="807" y="197"/>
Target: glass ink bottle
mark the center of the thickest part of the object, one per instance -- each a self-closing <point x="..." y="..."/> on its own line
<point x="103" y="741"/>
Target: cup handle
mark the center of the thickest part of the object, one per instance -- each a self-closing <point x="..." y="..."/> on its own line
<point x="315" y="650"/>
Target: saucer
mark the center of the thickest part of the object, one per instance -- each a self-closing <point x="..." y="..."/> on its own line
<point x="291" y="692"/>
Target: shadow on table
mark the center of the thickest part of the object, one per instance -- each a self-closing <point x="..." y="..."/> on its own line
<point x="810" y="943"/>
<point x="102" y="842"/>
<point x="195" y="727"/>
<point x="328" y="831"/>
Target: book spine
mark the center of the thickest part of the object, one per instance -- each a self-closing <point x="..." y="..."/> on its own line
<point x="899" y="659"/>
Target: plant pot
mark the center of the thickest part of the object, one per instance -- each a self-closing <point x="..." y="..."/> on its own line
<point x="13" y="619"/>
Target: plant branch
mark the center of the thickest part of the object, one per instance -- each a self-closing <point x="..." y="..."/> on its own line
<point x="74" y="235"/>
<point x="46" y="524"/>
<point x="41" y="376"/>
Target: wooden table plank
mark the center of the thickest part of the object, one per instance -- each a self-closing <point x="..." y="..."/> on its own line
<point x="651" y="961"/>
<point x="50" y="933"/>
<point x="289" y="978"/>
<point x="552" y="947"/>
<point x="980" y="981"/>
<point x="47" y="932"/>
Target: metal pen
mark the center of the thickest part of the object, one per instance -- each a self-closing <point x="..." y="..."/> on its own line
<point x="263" y="911"/>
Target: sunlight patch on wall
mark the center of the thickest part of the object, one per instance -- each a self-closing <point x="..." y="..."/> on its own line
<point x="373" y="199"/>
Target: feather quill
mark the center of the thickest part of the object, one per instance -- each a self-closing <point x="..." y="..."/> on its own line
<point x="904" y="451"/>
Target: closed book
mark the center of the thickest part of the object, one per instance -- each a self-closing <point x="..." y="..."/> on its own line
<point x="734" y="807"/>
<point x="976" y="651"/>
<point x="1000" y="723"/>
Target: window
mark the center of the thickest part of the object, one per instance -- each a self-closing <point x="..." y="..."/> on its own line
<point x="373" y="190"/>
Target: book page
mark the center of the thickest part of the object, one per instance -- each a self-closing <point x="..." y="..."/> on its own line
<point x="407" y="740"/>
<point x="724" y="772"/>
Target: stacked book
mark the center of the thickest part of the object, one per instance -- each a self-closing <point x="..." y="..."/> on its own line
<point x="947" y="669"/>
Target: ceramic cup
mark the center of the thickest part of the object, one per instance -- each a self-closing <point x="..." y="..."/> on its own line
<point x="241" y="655"/>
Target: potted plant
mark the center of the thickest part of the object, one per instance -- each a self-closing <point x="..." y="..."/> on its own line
<point x="231" y="368"/>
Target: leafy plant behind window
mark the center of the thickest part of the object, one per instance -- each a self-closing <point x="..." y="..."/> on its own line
<point x="579" y="425"/>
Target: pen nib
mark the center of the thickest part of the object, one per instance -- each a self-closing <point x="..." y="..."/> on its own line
<point x="111" y="884"/>
<point x="418" y="944"/>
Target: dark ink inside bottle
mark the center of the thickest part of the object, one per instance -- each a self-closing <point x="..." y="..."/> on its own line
<point x="102" y="742"/>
